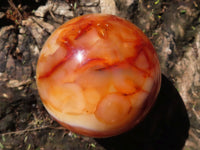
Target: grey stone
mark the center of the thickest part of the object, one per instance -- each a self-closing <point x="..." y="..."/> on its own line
<point x="7" y="44"/>
<point x="2" y="14"/>
<point x="89" y="3"/>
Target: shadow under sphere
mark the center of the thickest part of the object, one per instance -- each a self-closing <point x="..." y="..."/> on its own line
<point x="164" y="128"/>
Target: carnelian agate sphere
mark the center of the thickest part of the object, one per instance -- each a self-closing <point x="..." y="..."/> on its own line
<point x="98" y="75"/>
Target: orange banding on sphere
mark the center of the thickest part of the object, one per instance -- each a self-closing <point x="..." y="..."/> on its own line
<point x="98" y="75"/>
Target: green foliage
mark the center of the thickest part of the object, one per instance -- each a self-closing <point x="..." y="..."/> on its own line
<point x="29" y="147"/>
<point x="183" y="11"/>
<point x="1" y="146"/>
<point x="156" y="2"/>
<point x="3" y="138"/>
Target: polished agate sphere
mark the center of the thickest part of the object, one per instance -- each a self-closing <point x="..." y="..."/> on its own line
<point x="98" y="75"/>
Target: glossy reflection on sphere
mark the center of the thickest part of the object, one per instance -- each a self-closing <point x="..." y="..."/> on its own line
<point x="98" y="75"/>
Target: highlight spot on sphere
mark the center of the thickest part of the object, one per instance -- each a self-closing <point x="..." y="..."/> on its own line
<point x="98" y="75"/>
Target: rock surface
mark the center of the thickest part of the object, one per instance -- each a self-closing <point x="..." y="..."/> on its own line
<point x="172" y="26"/>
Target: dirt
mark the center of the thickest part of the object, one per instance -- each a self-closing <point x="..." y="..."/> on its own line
<point x="172" y="26"/>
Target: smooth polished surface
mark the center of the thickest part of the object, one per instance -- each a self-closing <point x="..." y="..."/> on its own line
<point x="98" y="75"/>
<point x="165" y="127"/>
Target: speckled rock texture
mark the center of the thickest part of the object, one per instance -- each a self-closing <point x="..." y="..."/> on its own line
<point x="172" y="26"/>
